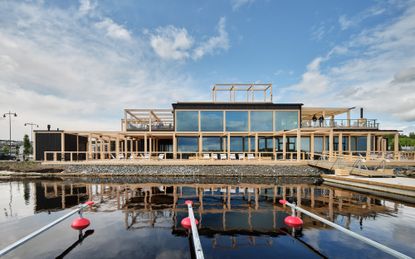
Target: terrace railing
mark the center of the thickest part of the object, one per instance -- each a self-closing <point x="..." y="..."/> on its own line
<point x="341" y="123"/>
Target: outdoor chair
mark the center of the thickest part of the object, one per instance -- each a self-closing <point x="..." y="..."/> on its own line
<point x="206" y="156"/>
<point x="120" y="156"/>
<point x="250" y="156"/>
<point x="146" y="156"/>
<point x="223" y="157"/>
<point x="215" y="156"/>
<point x="161" y="156"/>
<point x="241" y="156"/>
<point x="232" y="156"/>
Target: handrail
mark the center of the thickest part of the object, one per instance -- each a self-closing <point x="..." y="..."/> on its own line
<point x="195" y="234"/>
<point x="41" y="230"/>
<point x="346" y="231"/>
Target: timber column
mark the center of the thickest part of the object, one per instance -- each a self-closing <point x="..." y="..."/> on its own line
<point x="396" y="147"/>
<point x="331" y="140"/>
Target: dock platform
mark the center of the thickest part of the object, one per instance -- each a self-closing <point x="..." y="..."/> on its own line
<point x="400" y="185"/>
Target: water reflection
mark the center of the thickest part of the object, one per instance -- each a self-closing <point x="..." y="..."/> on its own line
<point x="232" y="215"/>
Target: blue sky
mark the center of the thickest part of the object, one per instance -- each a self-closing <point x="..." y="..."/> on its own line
<point x="76" y="65"/>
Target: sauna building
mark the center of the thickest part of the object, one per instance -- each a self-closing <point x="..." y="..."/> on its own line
<point x="241" y="122"/>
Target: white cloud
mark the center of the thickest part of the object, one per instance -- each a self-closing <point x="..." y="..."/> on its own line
<point x="61" y="70"/>
<point x="312" y="81"/>
<point x="86" y="6"/>
<point x="236" y="4"/>
<point x="214" y="43"/>
<point x="376" y="71"/>
<point x="173" y="43"/>
<point x="114" y="30"/>
<point x="346" y="23"/>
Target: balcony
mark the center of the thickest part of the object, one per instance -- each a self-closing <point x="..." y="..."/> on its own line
<point x="147" y="120"/>
<point x="341" y="123"/>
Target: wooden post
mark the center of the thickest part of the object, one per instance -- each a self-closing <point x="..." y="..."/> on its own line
<point x="63" y="146"/>
<point x="229" y="144"/>
<point x="298" y="144"/>
<point x="117" y="147"/>
<point x="348" y="119"/>
<point x="256" y="144"/>
<point x="284" y="146"/>
<point x="174" y="147"/>
<point x="89" y="147"/>
<point x="125" y="148"/>
<point x="396" y="146"/>
<point x="349" y="145"/>
<point x="101" y="148"/>
<point x="368" y="145"/>
<point x="145" y="143"/>
<point x="312" y="146"/>
<point x="331" y="140"/>
<point x="273" y="148"/>
<point x="340" y="148"/>
<point x="200" y="145"/>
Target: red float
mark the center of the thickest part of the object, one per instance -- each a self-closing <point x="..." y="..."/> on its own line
<point x="293" y="221"/>
<point x="80" y="223"/>
<point x="283" y="202"/>
<point x="188" y="202"/>
<point x="89" y="203"/>
<point x="186" y="223"/>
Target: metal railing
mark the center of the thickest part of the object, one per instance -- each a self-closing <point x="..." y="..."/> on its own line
<point x="341" y="123"/>
<point x="43" y="229"/>
<point x="348" y="232"/>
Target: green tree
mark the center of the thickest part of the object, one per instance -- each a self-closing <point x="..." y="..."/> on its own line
<point x="27" y="147"/>
<point x="5" y="150"/>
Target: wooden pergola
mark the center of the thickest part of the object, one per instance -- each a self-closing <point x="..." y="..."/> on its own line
<point x="249" y="89"/>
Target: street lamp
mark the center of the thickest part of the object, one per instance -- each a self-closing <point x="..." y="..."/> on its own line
<point x="31" y="124"/>
<point x="10" y="129"/>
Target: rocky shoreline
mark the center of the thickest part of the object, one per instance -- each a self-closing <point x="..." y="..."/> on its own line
<point x="195" y="170"/>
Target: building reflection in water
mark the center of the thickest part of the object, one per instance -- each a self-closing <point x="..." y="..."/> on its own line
<point x="224" y="211"/>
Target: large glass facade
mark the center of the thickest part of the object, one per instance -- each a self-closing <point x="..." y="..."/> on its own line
<point x="236" y="121"/>
<point x="286" y="120"/>
<point x="187" y="121"/>
<point x="261" y="121"/>
<point x="213" y="144"/>
<point x="305" y="144"/>
<point x="265" y="144"/>
<point x="187" y="144"/>
<point x="211" y="120"/>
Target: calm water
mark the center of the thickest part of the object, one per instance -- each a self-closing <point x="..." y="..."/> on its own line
<point x="238" y="219"/>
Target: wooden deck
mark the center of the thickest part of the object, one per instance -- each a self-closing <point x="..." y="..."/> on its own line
<point x="399" y="185"/>
<point x="168" y="162"/>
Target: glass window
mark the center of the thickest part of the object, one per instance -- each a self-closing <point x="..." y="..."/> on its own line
<point x="237" y="144"/>
<point x="236" y="121"/>
<point x="265" y="144"/>
<point x="187" y="144"/>
<point x="318" y="144"/>
<point x="261" y="121"/>
<point x="286" y="120"/>
<point x="305" y="144"/>
<point x="213" y="144"/>
<point x="187" y="121"/>
<point x="291" y="144"/>
<point x="211" y="120"/>
<point x="278" y="144"/>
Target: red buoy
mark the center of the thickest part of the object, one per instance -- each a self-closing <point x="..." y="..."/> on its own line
<point x="89" y="203"/>
<point x="188" y="202"/>
<point x="80" y="223"/>
<point x="293" y="221"/>
<point x="186" y="223"/>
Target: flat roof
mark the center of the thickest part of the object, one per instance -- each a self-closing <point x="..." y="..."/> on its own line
<point x="236" y="105"/>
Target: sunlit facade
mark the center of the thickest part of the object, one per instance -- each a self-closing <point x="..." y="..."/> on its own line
<point x="251" y="127"/>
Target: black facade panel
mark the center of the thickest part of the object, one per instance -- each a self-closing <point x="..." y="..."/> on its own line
<point x="47" y="141"/>
<point x="237" y="106"/>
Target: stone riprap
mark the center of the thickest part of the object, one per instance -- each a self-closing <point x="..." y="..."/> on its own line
<point x="194" y="170"/>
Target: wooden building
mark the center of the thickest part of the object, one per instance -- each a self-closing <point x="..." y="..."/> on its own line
<point x="241" y="122"/>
